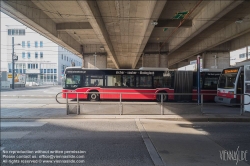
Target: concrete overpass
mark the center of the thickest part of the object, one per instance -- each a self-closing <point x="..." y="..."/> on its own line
<point x="131" y="34"/>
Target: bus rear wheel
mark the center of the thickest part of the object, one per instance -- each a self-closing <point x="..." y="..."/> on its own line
<point x="164" y="96"/>
<point x="94" y="96"/>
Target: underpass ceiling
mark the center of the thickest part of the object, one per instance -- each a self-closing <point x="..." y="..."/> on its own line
<point x="171" y="8"/>
<point x="128" y="24"/>
<point x="226" y="25"/>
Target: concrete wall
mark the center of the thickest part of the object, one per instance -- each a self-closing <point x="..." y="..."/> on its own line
<point x="101" y="61"/>
<point x="222" y="60"/>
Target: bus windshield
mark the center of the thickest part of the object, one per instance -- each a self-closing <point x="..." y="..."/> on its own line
<point x="72" y="81"/>
<point x="227" y="79"/>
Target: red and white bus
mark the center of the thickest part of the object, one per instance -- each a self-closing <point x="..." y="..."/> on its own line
<point x="231" y="82"/>
<point x="136" y="84"/>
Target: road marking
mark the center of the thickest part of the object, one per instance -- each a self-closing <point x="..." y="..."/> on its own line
<point x="22" y="124"/>
<point x="13" y="135"/>
<point x="27" y="99"/>
<point x="150" y="147"/>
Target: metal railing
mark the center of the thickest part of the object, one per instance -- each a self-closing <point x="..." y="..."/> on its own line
<point x="121" y="102"/>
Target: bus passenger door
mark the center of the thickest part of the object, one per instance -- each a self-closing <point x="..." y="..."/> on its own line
<point x="240" y="84"/>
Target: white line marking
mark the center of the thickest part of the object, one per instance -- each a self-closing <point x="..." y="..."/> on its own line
<point x="13" y="135"/>
<point x="22" y="124"/>
<point x="150" y="147"/>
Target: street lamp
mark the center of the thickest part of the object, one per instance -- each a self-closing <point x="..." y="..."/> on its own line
<point x="13" y="62"/>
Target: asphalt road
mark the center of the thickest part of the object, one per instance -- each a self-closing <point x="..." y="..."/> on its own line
<point x="120" y="141"/>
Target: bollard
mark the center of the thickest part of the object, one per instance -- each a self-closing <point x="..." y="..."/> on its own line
<point x="201" y="103"/>
<point x="162" y="110"/>
<point x="241" y="104"/>
<point x="67" y="108"/>
<point x="77" y="108"/>
<point x="121" y="104"/>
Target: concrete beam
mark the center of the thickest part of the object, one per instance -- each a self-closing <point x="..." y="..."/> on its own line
<point x="27" y="13"/>
<point x="240" y="42"/>
<point x="155" y="52"/>
<point x="173" y="23"/>
<point x="155" y="13"/>
<point x="211" y="13"/>
<point x="73" y="26"/>
<point x="91" y="10"/>
<point x="93" y="53"/>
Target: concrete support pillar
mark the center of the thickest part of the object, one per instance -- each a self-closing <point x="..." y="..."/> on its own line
<point x="215" y="60"/>
<point x="101" y="61"/>
<point x="247" y="52"/>
<point x="83" y="64"/>
<point x="153" y="60"/>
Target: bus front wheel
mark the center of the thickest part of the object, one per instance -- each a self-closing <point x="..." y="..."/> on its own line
<point x="164" y="96"/>
<point x="94" y="96"/>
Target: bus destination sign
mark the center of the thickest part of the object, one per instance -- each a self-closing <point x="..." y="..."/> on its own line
<point x="231" y="71"/>
<point x="136" y="72"/>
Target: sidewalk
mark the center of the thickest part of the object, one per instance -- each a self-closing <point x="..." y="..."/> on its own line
<point x="55" y="111"/>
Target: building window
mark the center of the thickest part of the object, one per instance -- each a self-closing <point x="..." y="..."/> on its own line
<point x="23" y="55"/>
<point x="23" y="44"/>
<point x="41" y="43"/>
<point x="32" y="66"/>
<point x="22" y="32"/>
<point x="28" y="55"/>
<point x="242" y="55"/>
<point x="41" y="54"/>
<point x="36" y="55"/>
<point x="55" y="70"/>
<point x="44" y="70"/>
<point x="62" y="56"/>
<point x="28" y="44"/>
<point x="41" y="71"/>
<point x="48" y="70"/>
<point x="67" y="59"/>
<point x="14" y="32"/>
<point x="36" y="44"/>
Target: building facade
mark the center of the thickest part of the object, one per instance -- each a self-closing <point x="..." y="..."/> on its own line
<point x="39" y="59"/>
<point x="239" y="55"/>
